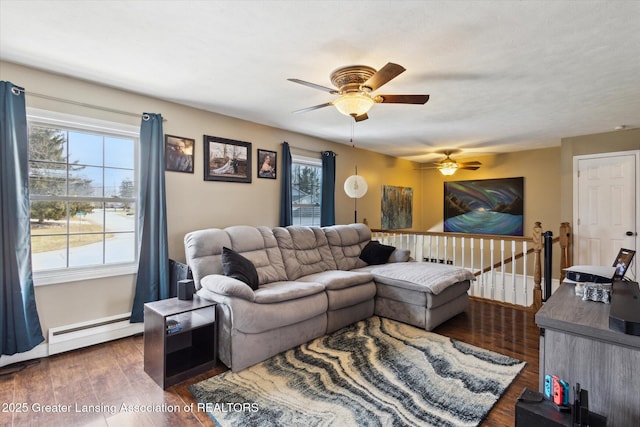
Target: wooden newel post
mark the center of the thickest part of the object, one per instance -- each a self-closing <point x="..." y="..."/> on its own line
<point x="565" y="243"/>
<point x="537" y="265"/>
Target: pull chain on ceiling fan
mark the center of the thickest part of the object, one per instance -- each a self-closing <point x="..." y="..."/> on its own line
<point x="355" y="85"/>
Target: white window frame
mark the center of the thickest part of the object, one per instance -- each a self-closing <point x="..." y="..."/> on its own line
<point x="309" y="161"/>
<point x="73" y="274"/>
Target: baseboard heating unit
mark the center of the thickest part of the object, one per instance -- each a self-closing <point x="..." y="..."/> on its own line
<point x="84" y="334"/>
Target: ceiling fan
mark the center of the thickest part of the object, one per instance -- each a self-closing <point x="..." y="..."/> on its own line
<point x="355" y="84"/>
<point x="448" y="166"/>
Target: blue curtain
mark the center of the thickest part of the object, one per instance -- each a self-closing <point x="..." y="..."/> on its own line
<point x="286" y="211"/>
<point x="152" y="282"/>
<point x="20" y="328"/>
<point x="328" y="205"/>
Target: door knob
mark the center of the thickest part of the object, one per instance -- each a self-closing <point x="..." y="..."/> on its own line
<point x="630" y="233"/>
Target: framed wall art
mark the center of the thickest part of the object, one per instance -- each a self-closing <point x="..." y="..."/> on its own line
<point x="226" y="160"/>
<point x="178" y="153"/>
<point x="486" y="206"/>
<point x="397" y="207"/>
<point x="267" y="164"/>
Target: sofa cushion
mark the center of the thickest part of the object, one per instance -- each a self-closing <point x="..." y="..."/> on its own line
<point x="286" y="291"/>
<point x="236" y="266"/>
<point x="252" y="318"/>
<point x="346" y="243"/>
<point x="375" y="253"/>
<point x="338" y="279"/>
<point x="351" y="296"/>
<point x="417" y="276"/>
<point x="305" y="250"/>
<point x="258" y="245"/>
<point x="203" y="250"/>
<point x="226" y="287"/>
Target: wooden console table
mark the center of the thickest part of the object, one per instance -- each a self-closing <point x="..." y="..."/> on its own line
<point x="577" y="345"/>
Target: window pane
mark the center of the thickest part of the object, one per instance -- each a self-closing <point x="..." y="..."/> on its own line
<point x="47" y="179"/>
<point x="119" y="183"/>
<point x="120" y="217"/>
<point x="120" y="248"/>
<point x="85" y="249"/>
<point x="119" y="152"/>
<point x="47" y="143"/>
<point x="85" y="149"/>
<point x="306" y="182"/>
<point x="48" y="252"/>
<point x="85" y="181"/>
<point x="48" y="214"/>
<point x="86" y="217"/>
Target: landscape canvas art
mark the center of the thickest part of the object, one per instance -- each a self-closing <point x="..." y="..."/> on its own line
<point x="488" y="206"/>
<point x="397" y="207"/>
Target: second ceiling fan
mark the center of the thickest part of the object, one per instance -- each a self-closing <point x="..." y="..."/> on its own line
<point x="448" y="166"/>
<point x="355" y="85"/>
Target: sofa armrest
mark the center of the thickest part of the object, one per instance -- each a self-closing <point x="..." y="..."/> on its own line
<point x="227" y="286"/>
<point x="400" y="255"/>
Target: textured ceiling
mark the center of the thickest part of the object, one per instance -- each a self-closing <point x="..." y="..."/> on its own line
<point x="502" y="75"/>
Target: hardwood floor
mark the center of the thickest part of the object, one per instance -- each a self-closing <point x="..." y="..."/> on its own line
<point x="101" y="385"/>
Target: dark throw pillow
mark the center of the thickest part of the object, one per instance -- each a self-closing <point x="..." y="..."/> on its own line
<point x="236" y="266"/>
<point x="376" y="253"/>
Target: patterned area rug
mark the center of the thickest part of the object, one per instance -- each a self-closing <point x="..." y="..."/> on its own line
<point x="377" y="372"/>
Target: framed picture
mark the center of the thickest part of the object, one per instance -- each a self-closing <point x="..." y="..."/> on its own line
<point x="267" y="164"/>
<point x="178" y="153"/>
<point x="226" y="160"/>
<point x="396" y="207"/>
<point x="485" y="206"/>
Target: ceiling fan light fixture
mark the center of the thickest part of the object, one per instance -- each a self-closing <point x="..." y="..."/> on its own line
<point x="354" y="104"/>
<point x="448" y="167"/>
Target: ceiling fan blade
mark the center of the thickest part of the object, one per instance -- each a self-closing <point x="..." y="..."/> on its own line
<point x="472" y="163"/>
<point x="384" y="75"/>
<point x="315" y="107"/>
<point x="315" y="86"/>
<point x="470" y="168"/>
<point x="361" y="117"/>
<point x="404" y="99"/>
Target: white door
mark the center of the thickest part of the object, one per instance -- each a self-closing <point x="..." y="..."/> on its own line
<point x="605" y="213"/>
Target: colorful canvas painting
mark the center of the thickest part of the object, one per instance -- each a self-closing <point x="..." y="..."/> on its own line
<point x="488" y="206"/>
<point x="397" y="207"/>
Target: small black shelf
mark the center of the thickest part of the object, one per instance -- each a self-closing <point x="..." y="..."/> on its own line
<point x="173" y="357"/>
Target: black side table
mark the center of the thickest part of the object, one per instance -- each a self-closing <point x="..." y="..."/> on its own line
<point x="180" y="339"/>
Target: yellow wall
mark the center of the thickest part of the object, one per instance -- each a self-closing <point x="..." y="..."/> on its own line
<point x="193" y="203"/>
<point x="540" y="169"/>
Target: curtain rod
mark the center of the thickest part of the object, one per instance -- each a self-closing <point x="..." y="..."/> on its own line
<point x="308" y="150"/>
<point x="82" y="104"/>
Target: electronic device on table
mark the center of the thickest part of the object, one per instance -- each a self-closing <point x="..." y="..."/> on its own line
<point x="622" y="263"/>
<point x="601" y="273"/>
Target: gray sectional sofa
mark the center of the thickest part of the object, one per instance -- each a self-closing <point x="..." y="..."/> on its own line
<point x="312" y="281"/>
